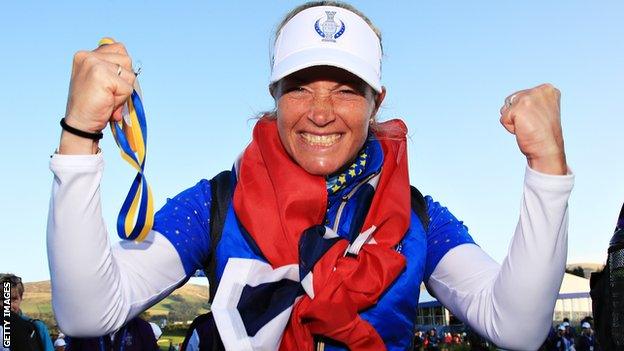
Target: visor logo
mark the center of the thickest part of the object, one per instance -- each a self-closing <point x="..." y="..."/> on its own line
<point x="329" y="29"/>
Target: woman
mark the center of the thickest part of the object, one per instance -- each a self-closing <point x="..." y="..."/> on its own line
<point x="19" y="330"/>
<point x="320" y="245"/>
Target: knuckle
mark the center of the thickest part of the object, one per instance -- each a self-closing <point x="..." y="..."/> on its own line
<point x="90" y="60"/>
<point x="127" y="62"/>
<point x="548" y="87"/>
<point x="120" y="47"/>
<point x="557" y="92"/>
<point x="128" y="89"/>
<point x="525" y="102"/>
<point x="79" y="56"/>
<point x="550" y="91"/>
<point x="515" y="99"/>
<point x="130" y="80"/>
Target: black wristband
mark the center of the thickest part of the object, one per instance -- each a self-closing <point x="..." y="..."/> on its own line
<point x="81" y="133"/>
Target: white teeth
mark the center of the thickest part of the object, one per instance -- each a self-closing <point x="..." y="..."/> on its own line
<point x="322" y="140"/>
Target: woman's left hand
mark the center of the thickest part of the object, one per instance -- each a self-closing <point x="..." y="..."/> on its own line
<point x="534" y="117"/>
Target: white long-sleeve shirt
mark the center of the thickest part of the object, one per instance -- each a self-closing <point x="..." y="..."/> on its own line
<point x="107" y="285"/>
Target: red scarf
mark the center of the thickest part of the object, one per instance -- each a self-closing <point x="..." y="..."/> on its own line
<point x="276" y="200"/>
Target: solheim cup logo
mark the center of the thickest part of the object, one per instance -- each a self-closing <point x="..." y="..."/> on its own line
<point x="329" y="30"/>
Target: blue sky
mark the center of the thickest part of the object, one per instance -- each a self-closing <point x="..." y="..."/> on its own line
<point x="448" y="66"/>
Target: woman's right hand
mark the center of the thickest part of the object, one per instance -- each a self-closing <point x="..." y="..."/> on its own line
<point x="101" y="82"/>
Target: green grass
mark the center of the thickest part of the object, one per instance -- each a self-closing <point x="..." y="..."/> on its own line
<point x="175" y="336"/>
<point x="183" y="305"/>
<point x="164" y="340"/>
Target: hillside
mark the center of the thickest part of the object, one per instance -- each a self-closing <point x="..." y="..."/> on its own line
<point x="182" y="305"/>
<point x="587" y="267"/>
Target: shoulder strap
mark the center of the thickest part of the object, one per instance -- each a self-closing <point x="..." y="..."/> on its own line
<point x="221" y="196"/>
<point x="207" y="332"/>
<point x="419" y="206"/>
<point x="189" y="331"/>
<point x="39" y="339"/>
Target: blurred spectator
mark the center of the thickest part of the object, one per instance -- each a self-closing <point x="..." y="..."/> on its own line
<point x="136" y="335"/>
<point x="202" y="334"/>
<point x="102" y="343"/>
<point x="433" y="341"/>
<point x="570" y="331"/>
<point x="550" y="342"/>
<point x="418" y="340"/>
<point x="586" y="341"/>
<point x="477" y="343"/>
<point x="59" y="344"/>
<point x="588" y="319"/>
<point x="562" y="343"/>
<point x="456" y="339"/>
<point x="26" y="333"/>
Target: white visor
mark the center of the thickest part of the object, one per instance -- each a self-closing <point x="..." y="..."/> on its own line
<point x="328" y="36"/>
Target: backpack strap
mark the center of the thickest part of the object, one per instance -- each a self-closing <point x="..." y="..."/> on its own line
<point x="419" y="206"/>
<point x="206" y="328"/>
<point x="221" y="196"/>
<point x="39" y="337"/>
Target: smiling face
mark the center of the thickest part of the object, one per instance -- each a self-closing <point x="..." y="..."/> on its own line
<point x="323" y="116"/>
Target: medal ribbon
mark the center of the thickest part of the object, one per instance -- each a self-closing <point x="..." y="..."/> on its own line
<point x="131" y="137"/>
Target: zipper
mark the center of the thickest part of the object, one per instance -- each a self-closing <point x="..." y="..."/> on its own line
<point x="345" y="199"/>
<point x="399" y="247"/>
<point x="320" y="345"/>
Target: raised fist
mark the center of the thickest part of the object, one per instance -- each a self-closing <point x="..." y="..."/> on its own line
<point x="534" y="117"/>
<point x="101" y="81"/>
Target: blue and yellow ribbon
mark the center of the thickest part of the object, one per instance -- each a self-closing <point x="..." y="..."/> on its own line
<point x="136" y="216"/>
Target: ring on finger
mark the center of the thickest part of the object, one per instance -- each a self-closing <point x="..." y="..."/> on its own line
<point x="510" y="100"/>
<point x="119" y="70"/>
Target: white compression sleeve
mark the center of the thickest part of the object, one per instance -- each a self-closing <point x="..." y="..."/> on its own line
<point x="96" y="288"/>
<point x="512" y="304"/>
